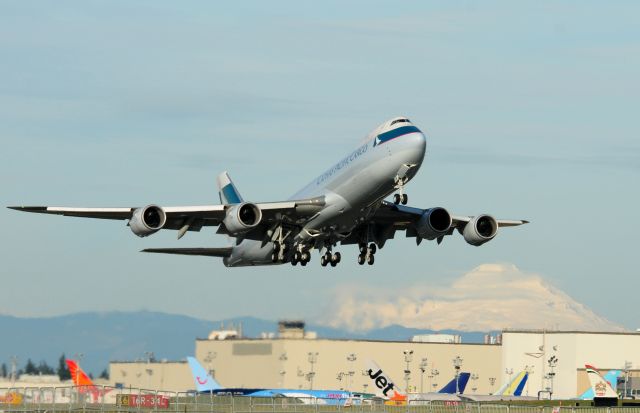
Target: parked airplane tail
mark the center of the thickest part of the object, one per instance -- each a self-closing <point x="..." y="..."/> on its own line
<point x="78" y="376"/>
<point x="227" y="190"/>
<point x="382" y="383"/>
<point x="611" y="377"/>
<point x="457" y="385"/>
<point x="204" y="381"/>
<point x="601" y="388"/>
<point x="515" y="386"/>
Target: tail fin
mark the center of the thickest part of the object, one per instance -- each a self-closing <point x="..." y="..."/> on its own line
<point x="203" y="380"/>
<point x="452" y="387"/>
<point x="515" y="386"/>
<point x="611" y="377"/>
<point x="227" y="190"/>
<point x="383" y="382"/>
<point x="78" y="376"/>
<point x="600" y="387"/>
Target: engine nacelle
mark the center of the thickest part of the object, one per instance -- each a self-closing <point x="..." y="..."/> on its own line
<point x="148" y="220"/>
<point x="241" y="218"/>
<point x="434" y="223"/>
<point x="480" y="229"/>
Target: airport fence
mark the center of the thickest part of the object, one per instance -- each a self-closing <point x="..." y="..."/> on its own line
<point x="128" y="400"/>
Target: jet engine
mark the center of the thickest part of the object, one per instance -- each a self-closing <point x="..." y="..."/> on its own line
<point x="434" y="223"/>
<point x="148" y="220"/>
<point x="241" y="218"/>
<point x="480" y="229"/>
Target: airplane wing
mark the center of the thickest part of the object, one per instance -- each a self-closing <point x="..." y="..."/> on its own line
<point x="207" y="252"/>
<point x="193" y="218"/>
<point x="389" y="218"/>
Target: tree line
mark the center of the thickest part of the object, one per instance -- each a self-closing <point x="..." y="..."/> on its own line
<point x="42" y="368"/>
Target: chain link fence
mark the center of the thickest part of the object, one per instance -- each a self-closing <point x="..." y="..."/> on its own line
<point x="130" y="400"/>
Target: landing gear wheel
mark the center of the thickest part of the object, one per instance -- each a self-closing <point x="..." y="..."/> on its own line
<point x="303" y="263"/>
<point x="370" y="259"/>
<point x="396" y="198"/>
<point x="276" y="247"/>
<point x="361" y="259"/>
<point x="305" y="257"/>
<point x="333" y="263"/>
<point x="363" y="248"/>
<point x="336" y="257"/>
<point x="323" y="261"/>
<point x="274" y="256"/>
<point x="372" y="248"/>
<point x="405" y="199"/>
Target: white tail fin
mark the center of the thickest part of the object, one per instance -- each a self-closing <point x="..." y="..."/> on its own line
<point x="600" y="387"/>
<point x="227" y="190"/>
<point x="383" y="382"/>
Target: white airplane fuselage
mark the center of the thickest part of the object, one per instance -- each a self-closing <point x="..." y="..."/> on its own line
<point x="360" y="180"/>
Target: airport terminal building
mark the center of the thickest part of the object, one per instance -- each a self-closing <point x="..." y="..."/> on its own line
<point x="296" y="359"/>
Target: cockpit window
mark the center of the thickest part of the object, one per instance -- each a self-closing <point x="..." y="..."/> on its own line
<point x="399" y="121"/>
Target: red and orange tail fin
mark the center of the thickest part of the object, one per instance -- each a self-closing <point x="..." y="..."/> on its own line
<point x="78" y="376"/>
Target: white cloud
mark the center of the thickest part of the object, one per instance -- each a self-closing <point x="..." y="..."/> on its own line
<point x="490" y="297"/>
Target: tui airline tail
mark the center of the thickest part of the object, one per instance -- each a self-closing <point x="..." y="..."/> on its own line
<point x="227" y="190"/>
<point x="204" y="381"/>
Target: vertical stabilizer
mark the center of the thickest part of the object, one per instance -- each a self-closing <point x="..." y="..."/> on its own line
<point x="204" y="381"/>
<point x="600" y="387"/>
<point x="611" y="377"/>
<point x="78" y="376"/>
<point x="456" y="386"/>
<point x="227" y="190"/>
<point x="382" y="383"/>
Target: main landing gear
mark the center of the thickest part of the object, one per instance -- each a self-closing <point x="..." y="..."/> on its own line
<point x="400" y="199"/>
<point x="367" y="254"/>
<point x="329" y="258"/>
<point x="302" y="257"/>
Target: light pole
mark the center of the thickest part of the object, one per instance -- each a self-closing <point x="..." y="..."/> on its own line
<point x="313" y="358"/>
<point x="457" y="364"/>
<point x="474" y="377"/>
<point x="434" y="375"/>
<point x="492" y="382"/>
<point x="553" y="362"/>
<point x="351" y="358"/>
<point x="423" y="368"/>
<point x="211" y="355"/>
<point x="14" y="370"/>
<point x="529" y="370"/>
<point x="408" y="357"/>
<point x="283" y="357"/>
<point x="339" y="377"/>
<point x="627" y="367"/>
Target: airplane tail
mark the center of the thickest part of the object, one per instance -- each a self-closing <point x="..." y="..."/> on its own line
<point x="600" y="387"/>
<point x="515" y="386"/>
<point x="78" y="376"/>
<point x="383" y="383"/>
<point x="453" y="388"/>
<point x="611" y="377"/>
<point x="204" y="381"/>
<point x="227" y="190"/>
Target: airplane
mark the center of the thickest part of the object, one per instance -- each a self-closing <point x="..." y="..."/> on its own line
<point x="610" y="377"/>
<point x="83" y="382"/>
<point x="387" y="387"/>
<point x="207" y="384"/>
<point x="345" y="204"/>
<point x="601" y="388"/>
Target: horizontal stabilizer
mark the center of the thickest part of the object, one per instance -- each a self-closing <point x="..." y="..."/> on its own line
<point x="207" y="252"/>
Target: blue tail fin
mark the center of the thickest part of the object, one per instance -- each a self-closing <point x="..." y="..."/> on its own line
<point x="227" y="190"/>
<point x="518" y="390"/>
<point x="204" y="381"/>
<point x="451" y="387"/>
<point x="611" y="377"/>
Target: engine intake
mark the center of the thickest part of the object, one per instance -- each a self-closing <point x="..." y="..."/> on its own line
<point x="242" y="217"/>
<point x="434" y="223"/>
<point x="148" y="220"/>
<point x="480" y="229"/>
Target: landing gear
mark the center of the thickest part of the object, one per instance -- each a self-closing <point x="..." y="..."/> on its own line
<point x="367" y="254"/>
<point x="400" y="199"/>
<point x="329" y="258"/>
<point x="301" y="256"/>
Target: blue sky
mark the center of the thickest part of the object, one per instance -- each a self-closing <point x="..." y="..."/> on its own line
<point x="530" y="108"/>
